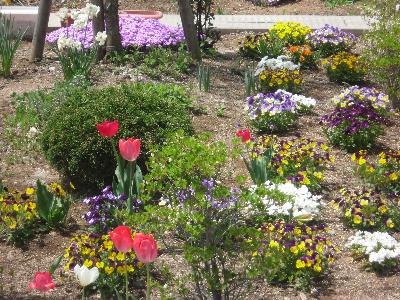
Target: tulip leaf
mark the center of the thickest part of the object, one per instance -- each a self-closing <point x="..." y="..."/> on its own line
<point x="55" y="264"/>
<point x="44" y="200"/>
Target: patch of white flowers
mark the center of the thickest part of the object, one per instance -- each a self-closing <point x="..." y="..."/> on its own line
<point x="67" y="43"/>
<point x="301" y="203"/>
<point x="279" y="63"/>
<point x="81" y="17"/>
<point x="303" y="100"/>
<point x="378" y="246"/>
<point x="101" y="38"/>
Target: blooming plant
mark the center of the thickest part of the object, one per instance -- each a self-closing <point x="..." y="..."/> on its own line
<point x="261" y="45"/>
<point x="344" y="67"/>
<point x="86" y="276"/>
<point x="278" y="73"/>
<point x="76" y="55"/>
<point x="349" y="96"/>
<point x="293" y="252"/>
<point x="96" y="250"/>
<point x="367" y="209"/>
<point x="276" y="112"/>
<point x="381" y="249"/>
<point x="301" y="161"/>
<point x="304" y="56"/>
<point x="291" y="33"/>
<point x="330" y="40"/>
<point x="354" y="127"/>
<point x="285" y="201"/>
<point x="42" y="282"/>
<point x="383" y="173"/>
<point x="135" y="31"/>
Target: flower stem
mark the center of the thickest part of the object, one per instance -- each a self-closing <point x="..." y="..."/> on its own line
<point x="83" y="293"/>
<point x="126" y="281"/>
<point x="130" y="196"/>
<point x="148" y="287"/>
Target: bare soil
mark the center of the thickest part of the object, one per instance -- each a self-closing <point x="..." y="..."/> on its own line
<point x="348" y="280"/>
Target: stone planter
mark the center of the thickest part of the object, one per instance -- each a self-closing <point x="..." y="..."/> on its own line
<point x="24" y="18"/>
<point x="149" y="14"/>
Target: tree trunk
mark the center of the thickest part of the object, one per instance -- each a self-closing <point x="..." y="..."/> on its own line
<point x="189" y="28"/>
<point x="39" y="36"/>
<point x="99" y="26"/>
<point x="112" y="26"/>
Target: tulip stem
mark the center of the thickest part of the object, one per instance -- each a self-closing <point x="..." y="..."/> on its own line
<point x="131" y="167"/>
<point x="148" y="287"/>
<point x="126" y="281"/>
<point x="83" y="293"/>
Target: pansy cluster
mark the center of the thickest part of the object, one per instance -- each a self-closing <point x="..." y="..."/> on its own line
<point x="381" y="249"/>
<point x="135" y="31"/>
<point x="351" y="95"/>
<point x="294" y="252"/>
<point x="344" y="67"/>
<point x="301" y="161"/>
<point x="367" y="209"/>
<point x="304" y="56"/>
<point x="278" y="73"/>
<point x="286" y="200"/>
<point x="17" y="209"/>
<point x="96" y="250"/>
<point x="102" y="207"/>
<point x="291" y="33"/>
<point x="353" y="127"/>
<point x="275" y="112"/>
<point x="384" y="173"/>
<point x="331" y="40"/>
<point x="248" y="46"/>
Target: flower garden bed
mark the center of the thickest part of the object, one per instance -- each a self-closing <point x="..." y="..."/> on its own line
<point x="310" y="196"/>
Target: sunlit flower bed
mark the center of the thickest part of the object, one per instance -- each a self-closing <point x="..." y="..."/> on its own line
<point x="135" y="31"/>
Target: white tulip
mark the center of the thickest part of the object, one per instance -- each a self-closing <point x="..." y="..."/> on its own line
<point x="86" y="276"/>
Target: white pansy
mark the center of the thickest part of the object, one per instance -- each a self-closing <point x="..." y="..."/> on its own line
<point x="301" y="203"/>
<point x="303" y="100"/>
<point x="281" y="62"/>
<point x="32" y="132"/>
<point x="378" y="246"/>
<point x="101" y="38"/>
<point x="86" y="276"/>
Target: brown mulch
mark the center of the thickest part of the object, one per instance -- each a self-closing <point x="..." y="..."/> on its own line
<point x="347" y="281"/>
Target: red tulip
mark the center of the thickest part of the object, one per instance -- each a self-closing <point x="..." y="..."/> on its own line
<point x="145" y="247"/>
<point x="107" y="128"/>
<point x="42" y="282"/>
<point x="122" y="238"/>
<point x="129" y="149"/>
<point x="244" y="134"/>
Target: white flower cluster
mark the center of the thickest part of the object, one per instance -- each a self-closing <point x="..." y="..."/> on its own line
<point x="101" y="38"/>
<point x="303" y="100"/>
<point x="379" y="246"/>
<point x="67" y="43"/>
<point x="302" y="203"/>
<point x="281" y="62"/>
<point x="81" y="17"/>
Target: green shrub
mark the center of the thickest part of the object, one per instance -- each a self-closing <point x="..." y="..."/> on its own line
<point x="147" y="111"/>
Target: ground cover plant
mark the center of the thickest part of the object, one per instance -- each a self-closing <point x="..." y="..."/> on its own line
<point x="226" y="212"/>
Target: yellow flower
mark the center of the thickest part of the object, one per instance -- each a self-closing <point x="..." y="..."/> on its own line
<point x="273" y="244"/>
<point x="357" y="219"/>
<point x="389" y="223"/>
<point x="300" y="264"/>
<point x="382" y="161"/>
<point x="317" y="268"/>
<point x="361" y="161"/>
<point x="100" y="264"/>
<point x="393" y="177"/>
<point x="88" y="263"/>
<point x="364" y="202"/>
<point x="120" y="256"/>
<point x="109" y="270"/>
<point x="29" y="191"/>
<point x="121" y="269"/>
<point x="382" y="209"/>
<point x="294" y="249"/>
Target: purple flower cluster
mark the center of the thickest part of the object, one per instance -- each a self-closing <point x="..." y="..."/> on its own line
<point x="270" y="104"/>
<point x="101" y="208"/>
<point x="330" y="39"/>
<point x="210" y="186"/>
<point x="360" y="115"/>
<point x="135" y="31"/>
<point x="354" y="93"/>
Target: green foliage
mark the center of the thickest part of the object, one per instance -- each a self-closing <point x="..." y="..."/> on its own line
<point x="249" y="82"/>
<point x="203" y="76"/>
<point x="335" y="3"/>
<point x="52" y="207"/>
<point x="77" y="62"/>
<point x="261" y="45"/>
<point x="206" y="217"/>
<point x="9" y="43"/>
<point x="146" y="111"/>
<point x="382" y="49"/>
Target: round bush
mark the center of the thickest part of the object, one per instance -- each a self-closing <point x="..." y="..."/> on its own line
<point x="147" y="111"/>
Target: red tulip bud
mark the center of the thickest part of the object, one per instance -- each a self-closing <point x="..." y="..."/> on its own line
<point x="129" y="149"/>
<point x="107" y="128"/>
<point x="244" y="134"/>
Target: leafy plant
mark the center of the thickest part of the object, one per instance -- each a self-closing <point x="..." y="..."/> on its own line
<point x="147" y="111"/>
<point x="9" y="43"/>
<point x="203" y="76"/>
<point x="345" y="67"/>
<point x="249" y="82"/>
<point x="52" y="207"/>
<point x="382" y="51"/>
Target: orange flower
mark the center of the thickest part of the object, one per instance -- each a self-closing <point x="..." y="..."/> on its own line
<point x="293" y="49"/>
<point x="307" y="52"/>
